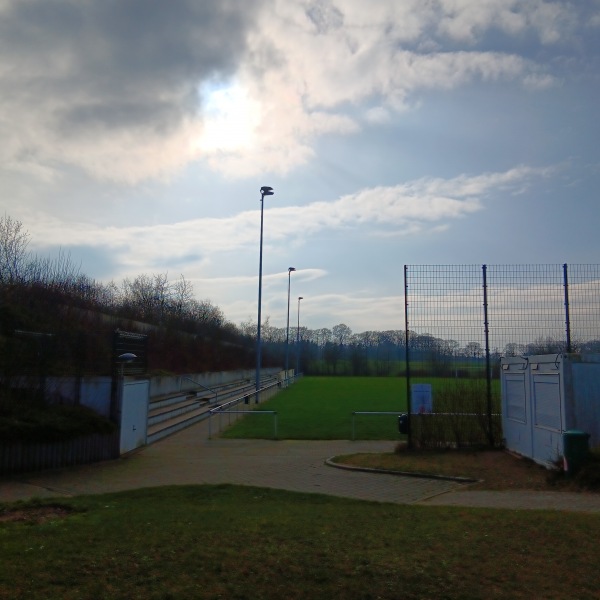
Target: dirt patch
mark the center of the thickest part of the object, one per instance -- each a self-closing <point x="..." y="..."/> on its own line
<point x="495" y="469"/>
<point x="34" y="514"/>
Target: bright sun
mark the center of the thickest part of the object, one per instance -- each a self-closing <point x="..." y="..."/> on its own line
<point x="230" y="119"/>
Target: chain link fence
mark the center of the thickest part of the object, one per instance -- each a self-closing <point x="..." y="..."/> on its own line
<point x="459" y="321"/>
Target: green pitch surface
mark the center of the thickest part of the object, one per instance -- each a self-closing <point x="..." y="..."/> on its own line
<point x="320" y="408"/>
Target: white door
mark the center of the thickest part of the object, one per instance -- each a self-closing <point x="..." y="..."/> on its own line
<point x="134" y="415"/>
<point x="547" y="415"/>
<point x="516" y="414"/>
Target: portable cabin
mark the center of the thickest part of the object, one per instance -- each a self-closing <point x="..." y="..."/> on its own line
<point x="546" y="395"/>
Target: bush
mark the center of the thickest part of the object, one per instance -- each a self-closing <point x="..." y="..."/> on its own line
<point x="587" y="477"/>
<point x="27" y="421"/>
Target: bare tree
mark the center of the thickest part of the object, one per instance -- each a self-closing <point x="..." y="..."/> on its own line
<point x="341" y="333"/>
<point x="13" y="250"/>
<point x="147" y="296"/>
<point x="182" y="297"/>
<point x="249" y="328"/>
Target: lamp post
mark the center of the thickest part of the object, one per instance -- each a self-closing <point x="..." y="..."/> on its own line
<point x="287" y="329"/>
<point x="298" y="338"/>
<point x="264" y="191"/>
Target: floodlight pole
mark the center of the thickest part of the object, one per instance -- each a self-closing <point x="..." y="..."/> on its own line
<point x="264" y="191"/>
<point x="298" y="338"/>
<point x="287" y="329"/>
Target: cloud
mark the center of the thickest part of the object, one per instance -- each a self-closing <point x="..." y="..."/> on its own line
<point x="429" y="203"/>
<point x="355" y="308"/>
<point x="468" y="21"/>
<point x="125" y="90"/>
<point x="112" y="86"/>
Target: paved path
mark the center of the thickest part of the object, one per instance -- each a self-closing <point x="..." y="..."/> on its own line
<point x="188" y="457"/>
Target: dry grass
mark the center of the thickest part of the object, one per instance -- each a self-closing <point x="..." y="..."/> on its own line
<point x="494" y="469"/>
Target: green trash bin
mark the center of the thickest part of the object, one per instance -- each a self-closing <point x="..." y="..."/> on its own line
<point x="575" y="449"/>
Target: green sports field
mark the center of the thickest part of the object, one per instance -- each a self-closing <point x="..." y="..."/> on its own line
<point x="320" y="408"/>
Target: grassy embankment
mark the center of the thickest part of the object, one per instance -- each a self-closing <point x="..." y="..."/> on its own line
<point x="197" y="542"/>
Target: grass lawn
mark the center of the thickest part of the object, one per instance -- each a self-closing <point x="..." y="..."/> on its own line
<point x="320" y="408"/>
<point x="197" y="542"/>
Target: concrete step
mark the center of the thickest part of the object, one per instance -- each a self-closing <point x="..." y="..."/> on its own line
<point x="171" y="413"/>
<point x="164" y="413"/>
<point x="177" y="423"/>
<point x="175" y="398"/>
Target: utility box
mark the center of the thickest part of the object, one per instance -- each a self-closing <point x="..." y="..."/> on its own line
<point x="575" y="449"/>
<point x="403" y="423"/>
<point x="545" y="396"/>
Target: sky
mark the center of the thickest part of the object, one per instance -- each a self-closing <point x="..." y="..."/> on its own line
<point x="136" y="135"/>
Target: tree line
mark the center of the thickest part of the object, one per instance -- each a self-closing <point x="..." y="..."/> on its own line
<point x="50" y="299"/>
<point x="51" y="296"/>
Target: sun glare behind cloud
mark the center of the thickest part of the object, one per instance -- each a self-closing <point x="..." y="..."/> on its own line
<point x="230" y="120"/>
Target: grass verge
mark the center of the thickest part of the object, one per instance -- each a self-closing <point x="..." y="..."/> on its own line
<point x="241" y="542"/>
<point x="493" y="469"/>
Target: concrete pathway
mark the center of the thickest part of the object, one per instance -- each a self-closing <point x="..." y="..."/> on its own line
<point x="189" y="457"/>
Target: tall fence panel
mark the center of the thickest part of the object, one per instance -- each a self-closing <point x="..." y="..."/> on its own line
<point x="527" y="309"/>
<point x="460" y="319"/>
<point x="446" y="347"/>
<point x="583" y="293"/>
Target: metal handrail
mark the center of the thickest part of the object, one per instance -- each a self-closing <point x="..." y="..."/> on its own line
<point x="215" y="392"/>
<point x="251" y="412"/>
<point x="224" y="408"/>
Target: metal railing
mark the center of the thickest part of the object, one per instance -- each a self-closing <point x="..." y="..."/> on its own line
<point x="226" y="408"/>
<point x="215" y="392"/>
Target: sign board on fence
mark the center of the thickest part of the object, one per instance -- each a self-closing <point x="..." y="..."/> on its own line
<point x="420" y="398"/>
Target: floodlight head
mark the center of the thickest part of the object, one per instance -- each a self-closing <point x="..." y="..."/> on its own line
<point x="265" y="190"/>
<point x="127" y="357"/>
<point x="291" y="269"/>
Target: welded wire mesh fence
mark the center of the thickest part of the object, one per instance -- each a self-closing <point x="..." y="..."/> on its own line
<point x="460" y="319"/>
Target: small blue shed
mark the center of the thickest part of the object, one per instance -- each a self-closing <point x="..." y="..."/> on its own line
<point x="545" y="395"/>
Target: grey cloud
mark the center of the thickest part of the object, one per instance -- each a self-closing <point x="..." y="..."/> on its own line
<point x="119" y="63"/>
<point x="84" y="117"/>
<point x="325" y="16"/>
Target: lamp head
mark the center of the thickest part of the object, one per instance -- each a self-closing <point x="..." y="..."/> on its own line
<point x="300" y="298"/>
<point x="290" y="269"/>
<point x="265" y="190"/>
<point x="127" y="357"/>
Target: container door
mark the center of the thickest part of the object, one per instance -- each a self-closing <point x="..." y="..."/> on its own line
<point x="547" y="417"/>
<point x="516" y="419"/>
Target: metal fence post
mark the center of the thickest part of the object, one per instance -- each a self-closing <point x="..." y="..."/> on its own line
<point x="406" y="338"/>
<point x="567" y="313"/>
<point x="488" y="371"/>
